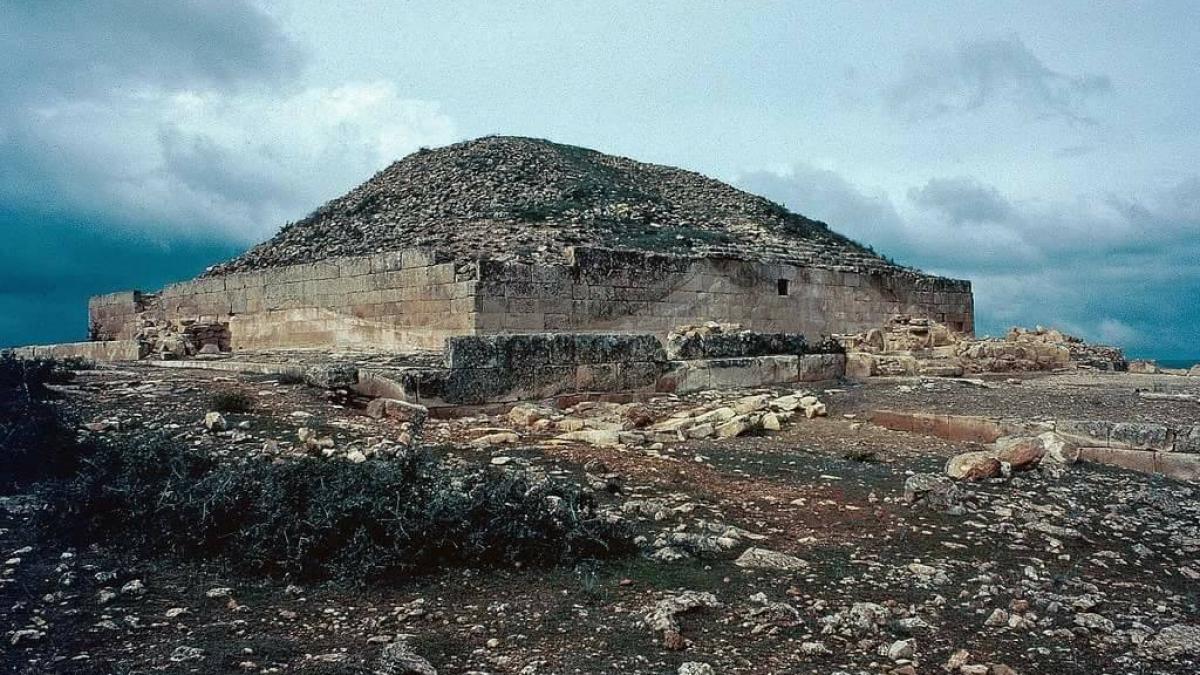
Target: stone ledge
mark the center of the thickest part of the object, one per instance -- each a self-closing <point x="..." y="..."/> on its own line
<point x="103" y="351"/>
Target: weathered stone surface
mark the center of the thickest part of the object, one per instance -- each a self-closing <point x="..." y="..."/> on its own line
<point x="973" y="466"/>
<point x="1059" y="449"/>
<point x="332" y="375"/>
<point x="1139" y="435"/>
<point x="1174" y="641"/>
<point x="766" y="559"/>
<point x="473" y="239"/>
<point x="1022" y="453"/>
<point x="934" y="490"/>
<point x="715" y="341"/>
<point x="399" y="410"/>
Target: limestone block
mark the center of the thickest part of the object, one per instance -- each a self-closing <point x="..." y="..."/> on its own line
<point x="861" y="365"/>
<point x="1141" y="436"/>
<point x="597" y="377"/>
<point x="1180" y="466"/>
<point x="1188" y="440"/>
<point x="353" y="266"/>
<point x="819" y="367"/>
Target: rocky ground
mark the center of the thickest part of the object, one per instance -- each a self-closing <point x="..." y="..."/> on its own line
<point x="826" y="545"/>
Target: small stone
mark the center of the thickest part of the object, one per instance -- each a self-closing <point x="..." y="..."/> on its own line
<point x="999" y="617"/>
<point x="215" y="422"/>
<point x="1093" y="621"/>
<point x="900" y="649"/>
<point x="957" y="660"/>
<point x="498" y="438"/>
<point x="766" y="559"/>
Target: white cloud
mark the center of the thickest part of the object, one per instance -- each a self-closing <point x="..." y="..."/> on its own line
<point x="240" y="164"/>
<point x="1118" y="270"/>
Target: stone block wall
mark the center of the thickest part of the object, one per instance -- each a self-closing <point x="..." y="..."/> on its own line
<point x="114" y="316"/>
<point x="416" y="298"/>
<point x="106" y="351"/>
<point x="488" y="369"/>
<point x="608" y="290"/>
<point x="412" y="299"/>
<point x="520" y="367"/>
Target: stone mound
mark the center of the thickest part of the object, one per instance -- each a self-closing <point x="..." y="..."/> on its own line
<point x="909" y="345"/>
<point x="530" y="199"/>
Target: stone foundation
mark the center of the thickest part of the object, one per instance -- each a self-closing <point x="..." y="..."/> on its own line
<point x="1138" y="446"/>
<point x="508" y="368"/>
<point x="415" y="299"/>
<point x="109" y="350"/>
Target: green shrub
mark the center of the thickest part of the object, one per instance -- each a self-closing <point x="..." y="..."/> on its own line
<point x="312" y="519"/>
<point x="35" y="444"/>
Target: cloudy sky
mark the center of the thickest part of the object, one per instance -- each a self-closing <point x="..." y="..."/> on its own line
<point x="1046" y="151"/>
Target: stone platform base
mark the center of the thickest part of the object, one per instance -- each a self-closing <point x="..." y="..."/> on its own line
<point x="110" y="350"/>
<point x="1149" y="448"/>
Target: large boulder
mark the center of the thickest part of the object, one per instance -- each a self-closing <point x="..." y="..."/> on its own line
<point x="932" y="490"/>
<point x="979" y="465"/>
<point x="1059" y="449"/>
<point x="1021" y="453"/>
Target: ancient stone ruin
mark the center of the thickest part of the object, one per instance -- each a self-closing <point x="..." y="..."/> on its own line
<point x="910" y="345"/>
<point x="514" y="236"/>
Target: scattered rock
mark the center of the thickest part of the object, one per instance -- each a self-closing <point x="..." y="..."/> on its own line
<point x="932" y="490"/>
<point x="766" y="559"/>
<point x="215" y="422"/>
<point x="973" y="466"/>
<point x="662" y="617"/>
<point x="497" y="438"/>
<point x="1173" y="642"/>
<point x="398" y="658"/>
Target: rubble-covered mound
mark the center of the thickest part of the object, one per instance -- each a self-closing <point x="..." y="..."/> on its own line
<point x="530" y="199"/>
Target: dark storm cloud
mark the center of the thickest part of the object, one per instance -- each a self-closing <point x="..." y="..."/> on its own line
<point x="73" y="49"/>
<point x="979" y="73"/>
<point x="71" y="69"/>
<point x="1120" y="269"/>
<point x="49" y="272"/>
<point x="962" y="200"/>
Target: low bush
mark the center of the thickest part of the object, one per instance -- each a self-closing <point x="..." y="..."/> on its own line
<point x="231" y="402"/>
<point x="311" y="519"/>
<point x="35" y="444"/>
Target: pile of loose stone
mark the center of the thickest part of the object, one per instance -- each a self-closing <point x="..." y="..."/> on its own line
<point x="655" y="422"/>
<point x="530" y="199"/>
<point x="909" y="345"/>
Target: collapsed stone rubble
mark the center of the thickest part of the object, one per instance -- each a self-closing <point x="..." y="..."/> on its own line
<point x="909" y="345"/>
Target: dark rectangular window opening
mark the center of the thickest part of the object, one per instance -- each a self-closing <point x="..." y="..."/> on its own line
<point x="782" y="286"/>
